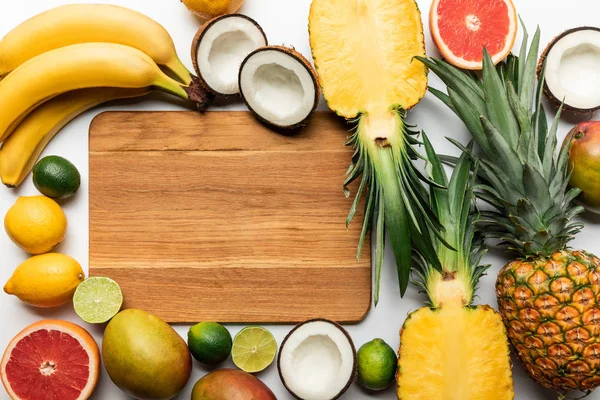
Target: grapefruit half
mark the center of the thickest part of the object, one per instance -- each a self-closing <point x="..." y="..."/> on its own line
<point x="51" y="360"/>
<point x="461" y="29"/>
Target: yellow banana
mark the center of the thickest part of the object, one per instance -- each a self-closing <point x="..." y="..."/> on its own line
<point x="84" y="23"/>
<point x="23" y="147"/>
<point x="82" y="66"/>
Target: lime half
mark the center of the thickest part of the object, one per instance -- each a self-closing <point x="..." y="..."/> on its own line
<point x="254" y="349"/>
<point x="97" y="300"/>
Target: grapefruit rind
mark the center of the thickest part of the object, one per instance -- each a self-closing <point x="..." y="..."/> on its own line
<point x="81" y="335"/>
<point x="460" y="62"/>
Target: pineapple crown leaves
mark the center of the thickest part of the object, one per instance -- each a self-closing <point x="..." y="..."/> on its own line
<point x="519" y="173"/>
<point x="456" y="210"/>
<point x="396" y="203"/>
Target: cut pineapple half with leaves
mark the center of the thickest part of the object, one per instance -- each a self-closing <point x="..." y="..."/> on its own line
<point x="452" y="349"/>
<point x="363" y="51"/>
<point x="549" y="296"/>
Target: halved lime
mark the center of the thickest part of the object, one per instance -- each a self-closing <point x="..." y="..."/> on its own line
<point x="97" y="300"/>
<point x="254" y="349"/>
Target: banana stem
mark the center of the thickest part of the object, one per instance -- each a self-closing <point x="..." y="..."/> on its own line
<point x="180" y="71"/>
<point x="194" y="92"/>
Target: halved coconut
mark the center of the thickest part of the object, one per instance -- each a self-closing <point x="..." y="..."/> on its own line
<point x="219" y="48"/>
<point x="279" y="86"/>
<point x="572" y="73"/>
<point x="317" y="361"/>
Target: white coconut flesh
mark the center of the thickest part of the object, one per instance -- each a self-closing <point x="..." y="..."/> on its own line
<point x="572" y="69"/>
<point x="223" y="47"/>
<point x="317" y="361"/>
<point x="278" y="87"/>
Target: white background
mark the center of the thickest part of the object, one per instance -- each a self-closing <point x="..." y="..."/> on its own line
<point x="285" y="22"/>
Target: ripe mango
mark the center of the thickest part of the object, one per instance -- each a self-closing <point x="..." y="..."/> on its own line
<point x="145" y="357"/>
<point x="231" y="384"/>
<point x="584" y="162"/>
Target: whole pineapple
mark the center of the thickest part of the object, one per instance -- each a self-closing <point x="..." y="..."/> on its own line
<point x="549" y="296"/>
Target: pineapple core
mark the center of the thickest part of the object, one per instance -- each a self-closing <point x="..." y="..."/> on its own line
<point x="454" y="353"/>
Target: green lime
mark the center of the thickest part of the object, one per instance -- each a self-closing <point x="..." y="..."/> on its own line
<point x="377" y="363"/>
<point x="56" y="177"/>
<point x="97" y="300"/>
<point x="209" y="342"/>
<point x="254" y="349"/>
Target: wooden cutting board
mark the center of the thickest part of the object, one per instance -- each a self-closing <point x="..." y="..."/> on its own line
<point x="213" y="217"/>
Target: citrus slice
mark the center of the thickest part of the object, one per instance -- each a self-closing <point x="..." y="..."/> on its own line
<point x="97" y="300"/>
<point x="461" y="29"/>
<point x="254" y="349"/>
<point x="51" y="360"/>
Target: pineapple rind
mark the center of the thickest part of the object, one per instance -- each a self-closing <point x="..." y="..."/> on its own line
<point x="551" y="307"/>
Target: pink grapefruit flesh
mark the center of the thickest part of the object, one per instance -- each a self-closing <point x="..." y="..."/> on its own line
<point x="461" y="29"/>
<point x="51" y="360"/>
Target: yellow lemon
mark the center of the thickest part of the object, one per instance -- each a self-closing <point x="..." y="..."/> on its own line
<point x="48" y="280"/>
<point x="36" y="224"/>
<point x="209" y="9"/>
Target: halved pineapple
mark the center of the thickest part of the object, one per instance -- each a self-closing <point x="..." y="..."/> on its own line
<point x="454" y="353"/>
<point x="453" y="350"/>
<point x="363" y="51"/>
<point x="377" y="40"/>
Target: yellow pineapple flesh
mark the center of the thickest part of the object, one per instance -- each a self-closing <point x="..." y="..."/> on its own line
<point x="364" y="55"/>
<point x="454" y="353"/>
<point x="453" y="350"/>
<point x="552" y="313"/>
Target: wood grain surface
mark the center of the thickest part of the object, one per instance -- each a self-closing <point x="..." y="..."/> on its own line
<point x="215" y="217"/>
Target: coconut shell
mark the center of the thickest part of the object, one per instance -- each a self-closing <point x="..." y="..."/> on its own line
<point x="547" y="92"/>
<point x="200" y="35"/>
<point x="299" y="57"/>
<point x="354" y="374"/>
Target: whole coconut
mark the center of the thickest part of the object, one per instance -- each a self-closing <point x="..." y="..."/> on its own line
<point x="584" y="162"/>
<point x="231" y="384"/>
<point x="145" y="357"/>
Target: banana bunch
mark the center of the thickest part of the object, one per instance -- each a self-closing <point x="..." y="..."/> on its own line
<point x="69" y="59"/>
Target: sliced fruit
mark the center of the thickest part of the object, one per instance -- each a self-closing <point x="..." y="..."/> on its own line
<point x="572" y="60"/>
<point x="97" y="300"/>
<point x="461" y="29"/>
<point x="209" y="342"/>
<point x="584" y="162"/>
<point x="254" y="349"/>
<point x="37" y="224"/>
<point x="48" y="280"/>
<point x="279" y="86"/>
<point x="56" y="177"/>
<point x="144" y="356"/>
<point x="454" y="349"/>
<point x="450" y="343"/>
<point x="231" y="384"/>
<point x="364" y="52"/>
<point x="219" y="48"/>
<point x="376" y="365"/>
<point x="317" y="361"/>
<point x="51" y="360"/>
<point x="208" y="9"/>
